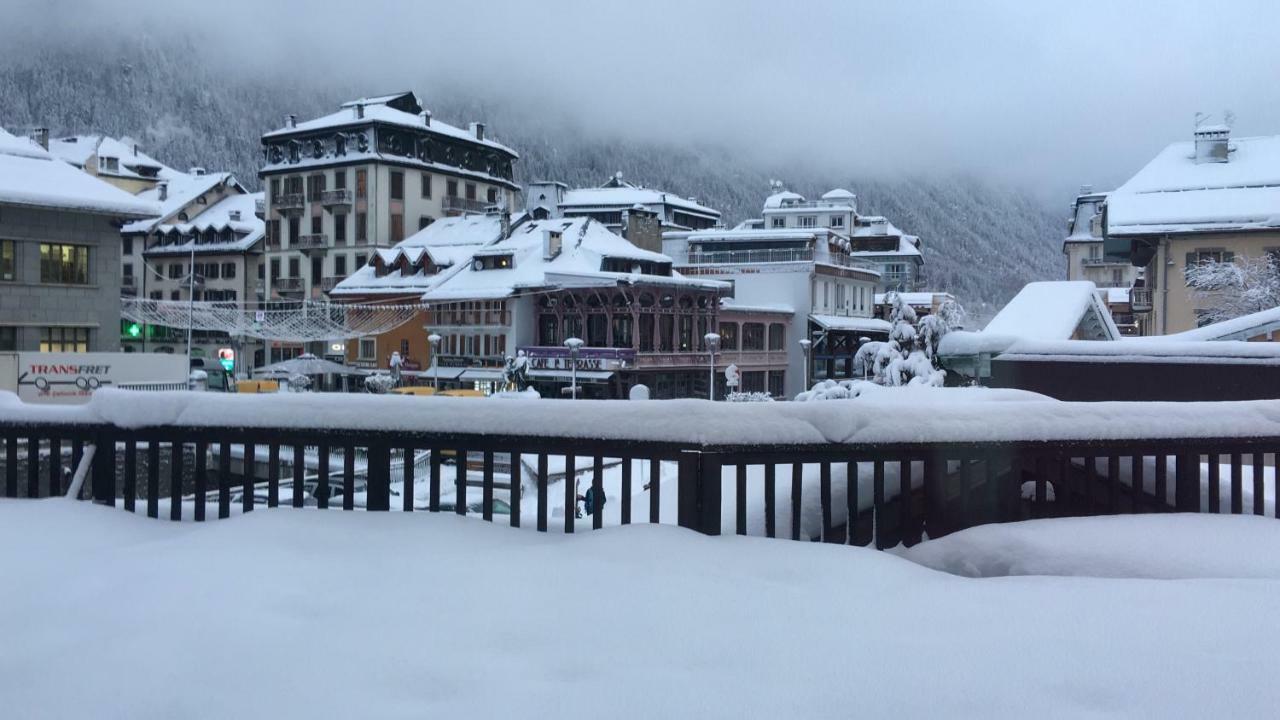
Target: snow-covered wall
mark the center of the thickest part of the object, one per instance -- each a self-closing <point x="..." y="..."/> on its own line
<point x="906" y="415"/>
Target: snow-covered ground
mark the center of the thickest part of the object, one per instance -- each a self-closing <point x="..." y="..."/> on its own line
<point x="309" y="614"/>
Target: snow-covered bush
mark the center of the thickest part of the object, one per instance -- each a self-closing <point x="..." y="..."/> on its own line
<point x="379" y="383"/>
<point x="838" y="390"/>
<point x="526" y="394"/>
<point x="1234" y="286"/>
<point x="749" y="397"/>
<point x="299" y="383"/>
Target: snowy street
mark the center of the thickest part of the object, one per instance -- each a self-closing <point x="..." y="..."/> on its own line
<point x="305" y="614"/>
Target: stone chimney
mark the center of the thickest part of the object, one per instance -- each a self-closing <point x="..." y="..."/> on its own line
<point x="426" y="118"/>
<point x="359" y="110"/>
<point x="551" y="241"/>
<point x="235" y="215"/>
<point x="290" y="120"/>
<point x="197" y="171"/>
<point x="41" y="137"/>
<point x="477" y="129"/>
<point x="641" y="228"/>
<point x="163" y="187"/>
<point x="1212" y="144"/>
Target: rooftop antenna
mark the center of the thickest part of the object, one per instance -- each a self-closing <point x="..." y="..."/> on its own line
<point x="1228" y="118"/>
<point x="1200" y="118"/>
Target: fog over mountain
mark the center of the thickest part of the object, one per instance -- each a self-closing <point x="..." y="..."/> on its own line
<point x="970" y="127"/>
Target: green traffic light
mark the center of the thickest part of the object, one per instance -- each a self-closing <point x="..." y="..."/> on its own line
<point x="133" y="329"/>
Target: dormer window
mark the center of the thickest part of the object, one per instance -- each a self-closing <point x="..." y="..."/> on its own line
<point x="109" y="164"/>
<point x="493" y="262"/>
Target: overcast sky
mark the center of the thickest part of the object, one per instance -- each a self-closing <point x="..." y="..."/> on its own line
<point x="1050" y="94"/>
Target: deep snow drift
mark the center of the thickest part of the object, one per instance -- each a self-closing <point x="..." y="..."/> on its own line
<point x="327" y="614"/>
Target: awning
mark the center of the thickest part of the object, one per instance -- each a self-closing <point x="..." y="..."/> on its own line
<point x="587" y="375"/>
<point x="852" y="324"/>
<point x="431" y="373"/>
<point x="482" y="374"/>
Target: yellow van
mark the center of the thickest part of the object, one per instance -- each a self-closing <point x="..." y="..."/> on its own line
<point x="257" y="386"/>
<point x="414" y="390"/>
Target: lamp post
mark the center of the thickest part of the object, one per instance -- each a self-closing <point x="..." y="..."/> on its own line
<point x="806" y="345"/>
<point x="434" y="340"/>
<point x="713" y="347"/>
<point x="574" y="344"/>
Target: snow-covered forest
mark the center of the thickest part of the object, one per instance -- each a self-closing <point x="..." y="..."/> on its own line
<point x="982" y="241"/>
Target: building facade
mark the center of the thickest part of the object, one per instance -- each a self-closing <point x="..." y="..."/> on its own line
<point x="367" y="177"/>
<point x="1212" y="198"/>
<point x="59" y="252"/>
<point x="641" y="214"/>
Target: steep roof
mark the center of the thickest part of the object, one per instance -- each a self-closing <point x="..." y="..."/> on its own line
<point x="30" y="175"/>
<point x="182" y="190"/>
<point x="77" y="149"/>
<point x="1054" y="310"/>
<point x="585" y="244"/>
<point x="247" y="230"/>
<point x="449" y="242"/>
<point x="627" y="196"/>
<point x="1174" y="193"/>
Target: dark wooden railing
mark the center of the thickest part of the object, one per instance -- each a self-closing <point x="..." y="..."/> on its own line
<point x="951" y="485"/>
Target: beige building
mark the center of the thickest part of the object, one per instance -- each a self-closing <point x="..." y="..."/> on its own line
<point x="1214" y="197"/>
<point x="116" y="161"/>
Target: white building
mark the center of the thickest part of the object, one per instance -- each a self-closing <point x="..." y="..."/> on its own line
<point x="364" y="177"/>
<point x="808" y="269"/>
<point x="618" y="204"/>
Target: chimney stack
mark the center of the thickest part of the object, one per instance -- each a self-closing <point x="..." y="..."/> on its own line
<point x="197" y="171"/>
<point x="163" y="185"/>
<point x="426" y="118"/>
<point x="359" y="111"/>
<point x="551" y="241"/>
<point x="41" y="136"/>
<point x="1212" y="144"/>
<point x="290" y="120"/>
<point x="477" y="129"/>
<point x="235" y="215"/>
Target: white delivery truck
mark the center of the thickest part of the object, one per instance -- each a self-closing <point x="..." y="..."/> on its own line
<point x="67" y="378"/>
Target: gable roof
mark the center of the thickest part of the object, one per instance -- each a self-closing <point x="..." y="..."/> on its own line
<point x="182" y="191"/>
<point x="1054" y="310"/>
<point x="247" y="230"/>
<point x="449" y="242"/>
<point x="31" y="176"/>
<point x="77" y="149"/>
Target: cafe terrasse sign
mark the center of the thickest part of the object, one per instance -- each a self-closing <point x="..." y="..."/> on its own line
<point x="558" y="358"/>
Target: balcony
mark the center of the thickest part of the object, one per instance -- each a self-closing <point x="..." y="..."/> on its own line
<point x="314" y="242"/>
<point x="260" y="207"/>
<point x="1101" y="261"/>
<point x="287" y="284"/>
<point x="336" y="198"/>
<point x="289" y="203"/>
<point x="463" y="205"/>
<point x="330" y="282"/>
<point x="743" y="257"/>
<point x="1140" y="300"/>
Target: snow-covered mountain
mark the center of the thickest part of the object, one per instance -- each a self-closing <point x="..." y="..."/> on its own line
<point x="982" y="240"/>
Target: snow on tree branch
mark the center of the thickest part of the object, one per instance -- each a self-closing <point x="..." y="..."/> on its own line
<point x="1228" y="288"/>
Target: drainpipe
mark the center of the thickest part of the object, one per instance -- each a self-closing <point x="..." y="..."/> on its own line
<point x="1164" y="287"/>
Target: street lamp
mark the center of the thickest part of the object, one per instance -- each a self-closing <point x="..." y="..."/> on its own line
<point x="434" y="340"/>
<point x="574" y="344"/>
<point x="713" y="347"/>
<point x="806" y="345"/>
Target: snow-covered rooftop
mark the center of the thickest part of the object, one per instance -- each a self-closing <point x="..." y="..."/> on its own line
<point x="181" y="190"/>
<point x="1174" y="193"/>
<point x="852" y="324"/>
<point x="234" y="213"/>
<point x="779" y="199"/>
<point x="916" y="299"/>
<point x="77" y="149"/>
<point x="1052" y="310"/>
<point x="449" y="242"/>
<point x="376" y="110"/>
<point x="627" y="196"/>
<point x="1147" y="350"/>
<point x="1084" y="210"/>
<point x="30" y="175"/>
<point x="585" y="244"/>
<point x="1241" y="328"/>
<point x="732" y="305"/>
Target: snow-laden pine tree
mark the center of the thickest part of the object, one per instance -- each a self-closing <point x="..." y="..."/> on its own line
<point x="1228" y="288"/>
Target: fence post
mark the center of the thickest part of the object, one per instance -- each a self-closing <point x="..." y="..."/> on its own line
<point x="698" y="491"/>
<point x="1187" y="487"/>
<point x="104" y="468"/>
<point x="378" y="475"/>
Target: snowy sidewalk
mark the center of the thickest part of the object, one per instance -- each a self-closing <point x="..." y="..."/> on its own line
<point x="384" y="615"/>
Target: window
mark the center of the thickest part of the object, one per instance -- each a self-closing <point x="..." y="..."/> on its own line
<point x="8" y="339"/>
<point x="360" y="261"/>
<point x="340" y="265"/>
<point x="362" y="184"/>
<point x="646" y="333"/>
<point x="339" y="229"/>
<point x="294" y="229"/>
<point x="340" y="179"/>
<point x="728" y="336"/>
<point x="175" y="295"/>
<point x="807" y="221"/>
<point x="126" y="270"/>
<point x="64" y="339"/>
<point x="275" y="268"/>
<point x="262" y="272"/>
<point x="1117" y="277"/>
<point x="597" y="330"/>
<point x="362" y="228"/>
<point x="776" y="382"/>
<point x="273" y="233"/>
<point x="317" y="270"/>
<point x="836" y="221"/>
<point x="66" y="264"/>
<point x="622" y="330"/>
<point x="315" y="186"/>
<point x="316" y="227"/>
<point x="1204" y="255"/>
<point x="175" y="271"/>
<point x="666" y="328"/>
<point x="778" y="222"/>
<point x="426" y="185"/>
<point x="547" y="327"/>
<point x="424" y="221"/>
<point x="752" y="336"/>
<point x="7" y="262"/>
<point x="397" y="185"/>
<point x="753" y="381"/>
<point x="451" y="188"/>
<point x="491" y="195"/>
<point x="128" y="246"/>
<point x="368" y="349"/>
<point x="397" y="227"/>
<point x="157" y="295"/>
<point x="777" y="336"/>
<point x="275" y="188"/>
<point x="572" y="326"/>
<point x="294" y="268"/>
<point x="471" y="191"/>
